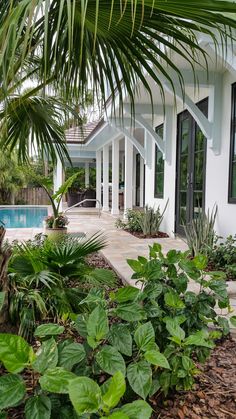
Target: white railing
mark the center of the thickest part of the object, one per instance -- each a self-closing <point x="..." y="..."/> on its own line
<point x="86" y="200"/>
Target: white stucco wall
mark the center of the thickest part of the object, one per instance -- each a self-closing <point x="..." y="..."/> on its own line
<point x="217" y="170"/>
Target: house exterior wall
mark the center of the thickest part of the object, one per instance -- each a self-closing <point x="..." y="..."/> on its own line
<point x="217" y="170"/>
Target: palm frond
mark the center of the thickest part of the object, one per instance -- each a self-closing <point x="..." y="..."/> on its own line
<point x="112" y="45"/>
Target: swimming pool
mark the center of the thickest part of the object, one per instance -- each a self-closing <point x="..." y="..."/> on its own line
<point x="23" y="217"/>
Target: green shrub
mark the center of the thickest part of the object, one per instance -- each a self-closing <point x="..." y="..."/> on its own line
<point x="135" y="343"/>
<point x="200" y="233"/>
<point x="147" y="222"/>
<point x="40" y="277"/>
<point x="223" y="256"/>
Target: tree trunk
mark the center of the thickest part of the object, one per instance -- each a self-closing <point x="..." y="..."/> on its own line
<point x="5" y="254"/>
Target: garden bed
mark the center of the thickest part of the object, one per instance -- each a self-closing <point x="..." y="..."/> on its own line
<point x="140" y="235"/>
<point x="214" y="394"/>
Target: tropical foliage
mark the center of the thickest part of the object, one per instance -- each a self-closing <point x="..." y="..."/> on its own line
<point x="222" y="256"/>
<point x="131" y="345"/>
<point x="94" y="44"/>
<point x="148" y="221"/>
<point x="13" y="177"/>
<point x="46" y="279"/>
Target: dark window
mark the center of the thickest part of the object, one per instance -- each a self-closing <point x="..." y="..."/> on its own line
<point x="232" y="164"/>
<point x="159" y="168"/>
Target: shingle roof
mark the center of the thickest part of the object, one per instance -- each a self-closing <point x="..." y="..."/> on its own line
<point x="80" y="135"/>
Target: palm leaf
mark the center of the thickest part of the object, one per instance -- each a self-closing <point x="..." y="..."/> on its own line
<point x="113" y="44"/>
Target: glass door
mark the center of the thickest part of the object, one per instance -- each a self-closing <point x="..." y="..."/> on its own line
<point x="191" y="163"/>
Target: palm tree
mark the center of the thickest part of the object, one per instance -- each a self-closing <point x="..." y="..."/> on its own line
<point x="107" y="45"/>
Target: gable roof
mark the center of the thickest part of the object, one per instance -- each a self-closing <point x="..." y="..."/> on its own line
<point x="80" y="135"/>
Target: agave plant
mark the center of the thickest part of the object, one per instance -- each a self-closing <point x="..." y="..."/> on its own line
<point x="200" y="233"/>
<point x="151" y="220"/>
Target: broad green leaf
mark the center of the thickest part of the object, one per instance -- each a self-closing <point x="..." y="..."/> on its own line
<point x="224" y="324"/>
<point x="49" y="329"/>
<point x="174" y="329"/>
<point x="132" y="312"/>
<point x="135" y="265"/>
<point x="47" y="356"/>
<point x="2" y="298"/>
<point x="173" y="256"/>
<point x="198" y="339"/>
<point x="153" y="309"/>
<point x="120" y="337"/>
<point x="56" y="380"/>
<point x="80" y="325"/>
<point x="70" y="355"/>
<point x="144" y="337"/>
<point x="156" y="358"/>
<point x="116" y="415"/>
<point x="173" y="300"/>
<point x="110" y="360"/>
<point x="97" y="326"/>
<point x="137" y="410"/>
<point x="38" y="407"/>
<point x="12" y="390"/>
<point x="152" y="290"/>
<point x="115" y="390"/>
<point x="15" y="352"/>
<point x="85" y="395"/>
<point x="139" y="376"/>
<point x="187" y="363"/>
<point x="233" y="320"/>
<point x="200" y="261"/>
<point x="126" y="294"/>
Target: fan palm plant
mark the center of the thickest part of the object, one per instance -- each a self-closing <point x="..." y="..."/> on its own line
<point x="110" y="45"/>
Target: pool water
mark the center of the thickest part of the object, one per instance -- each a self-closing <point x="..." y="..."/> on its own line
<point x="23" y="217"/>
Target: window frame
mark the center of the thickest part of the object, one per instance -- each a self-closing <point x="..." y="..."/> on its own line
<point x="231" y="199"/>
<point x="156" y="194"/>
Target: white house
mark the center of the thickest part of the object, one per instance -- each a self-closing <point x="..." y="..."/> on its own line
<point x="185" y="154"/>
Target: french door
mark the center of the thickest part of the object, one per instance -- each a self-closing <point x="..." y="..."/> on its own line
<point x="191" y="168"/>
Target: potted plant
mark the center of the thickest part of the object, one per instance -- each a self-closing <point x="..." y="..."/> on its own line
<point x="56" y="224"/>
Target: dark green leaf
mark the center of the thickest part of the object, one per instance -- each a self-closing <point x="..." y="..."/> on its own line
<point x="200" y="261"/>
<point x="173" y="300"/>
<point x="70" y="355"/>
<point x="233" y="320"/>
<point x="137" y="410"/>
<point x="49" y="329"/>
<point x="38" y="407"/>
<point x="144" y="337"/>
<point x="198" y="339"/>
<point x="97" y="326"/>
<point x="120" y="337"/>
<point x="12" y="390"/>
<point x="47" y="356"/>
<point x="139" y="376"/>
<point x="15" y="352"/>
<point x="135" y="265"/>
<point x="110" y="360"/>
<point x="174" y="329"/>
<point x="156" y="358"/>
<point x="126" y="294"/>
<point x="56" y="380"/>
<point x="85" y="395"/>
<point x="132" y="312"/>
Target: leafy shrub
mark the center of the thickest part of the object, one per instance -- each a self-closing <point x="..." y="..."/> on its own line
<point x="200" y="233"/>
<point x="147" y="222"/>
<point x="223" y="256"/>
<point x="133" y="221"/>
<point x="40" y="276"/>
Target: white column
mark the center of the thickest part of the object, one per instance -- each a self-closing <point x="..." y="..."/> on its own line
<point x="141" y="182"/>
<point x="115" y="177"/>
<point x="106" y="178"/>
<point x="58" y="178"/>
<point x="134" y="177"/>
<point x="98" y="176"/>
<point x="128" y="175"/>
<point x="86" y="165"/>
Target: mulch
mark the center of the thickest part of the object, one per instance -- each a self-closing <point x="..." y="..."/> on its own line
<point x="214" y="394"/>
<point x="140" y="235"/>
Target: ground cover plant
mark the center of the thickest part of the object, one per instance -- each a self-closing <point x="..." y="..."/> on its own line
<point x="124" y="349"/>
<point x="144" y="223"/>
<point x="222" y="256"/>
<point x="48" y="279"/>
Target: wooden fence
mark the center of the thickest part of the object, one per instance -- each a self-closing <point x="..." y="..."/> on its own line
<point x="32" y="196"/>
